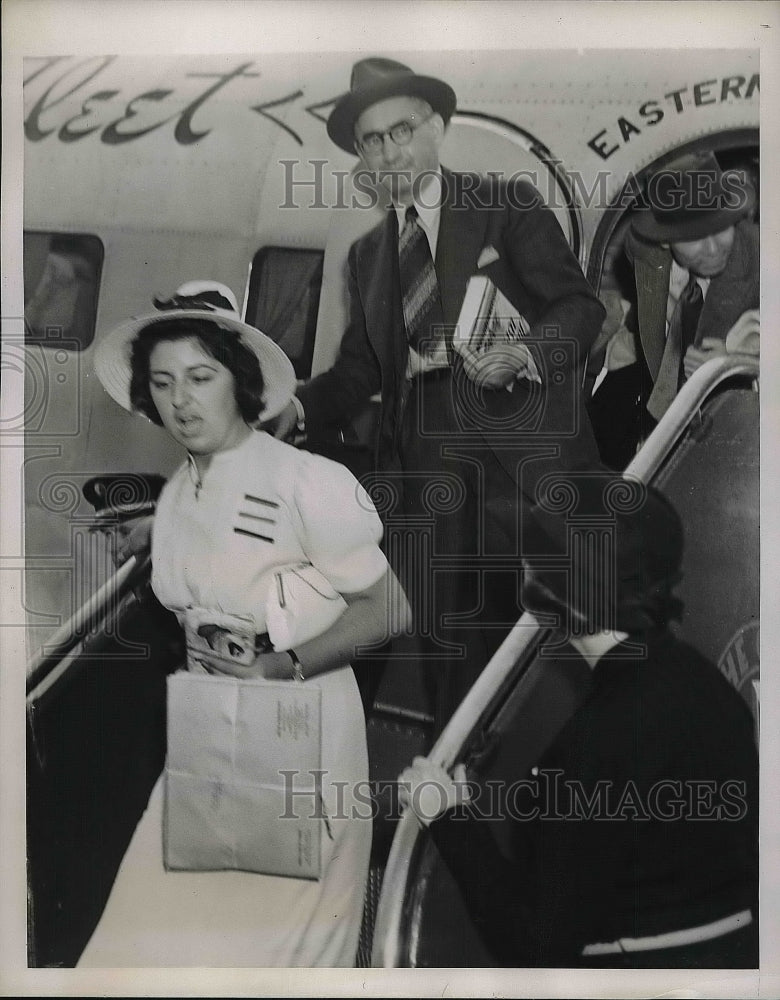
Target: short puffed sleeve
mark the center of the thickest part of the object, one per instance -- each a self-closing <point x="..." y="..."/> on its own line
<point x="340" y="529"/>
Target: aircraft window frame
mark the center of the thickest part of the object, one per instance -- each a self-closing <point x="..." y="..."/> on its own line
<point x="62" y="283"/>
<point x="533" y="145"/>
<point x="286" y="261"/>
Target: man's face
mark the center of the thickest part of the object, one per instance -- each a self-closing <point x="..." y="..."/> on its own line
<point x="400" y="168"/>
<point x="706" y="257"/>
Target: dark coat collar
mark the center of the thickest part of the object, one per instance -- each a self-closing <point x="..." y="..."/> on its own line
<point x="462" y="232"/>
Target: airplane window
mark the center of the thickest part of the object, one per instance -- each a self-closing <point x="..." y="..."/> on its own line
<point x="61" y="283"/>
<point x="284" y="296"/>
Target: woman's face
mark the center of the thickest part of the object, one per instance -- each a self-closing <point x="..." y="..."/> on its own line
<point x="195" y="397"/>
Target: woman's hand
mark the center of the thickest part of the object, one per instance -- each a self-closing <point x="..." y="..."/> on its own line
<point x="745" y="336"/>
<point x="429" y="791"/>
<point x="271" y="666"/>
<point x="133" y="538"/>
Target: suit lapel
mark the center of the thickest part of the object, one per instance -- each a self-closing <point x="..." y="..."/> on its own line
<point x="652" y="266"/>
<point x="382" y="303"/>
<point x="461" y="238"/>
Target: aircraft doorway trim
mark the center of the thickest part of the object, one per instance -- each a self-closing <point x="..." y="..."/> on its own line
<point x="521" y="138"/>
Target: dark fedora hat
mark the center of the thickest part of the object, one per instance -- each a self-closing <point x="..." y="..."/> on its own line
<point x="691" y="198"/>
<point x="375" y="79"/>
<point x="601" y="544"/>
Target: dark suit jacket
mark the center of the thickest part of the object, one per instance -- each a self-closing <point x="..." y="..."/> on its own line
<point x="535" y="269"/>
<point x="730" y="294"/>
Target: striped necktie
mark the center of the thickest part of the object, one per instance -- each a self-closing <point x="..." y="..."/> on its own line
<point x="423" y="316"/>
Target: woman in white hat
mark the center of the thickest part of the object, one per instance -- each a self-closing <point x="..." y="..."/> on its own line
<point x="241" y="505"/>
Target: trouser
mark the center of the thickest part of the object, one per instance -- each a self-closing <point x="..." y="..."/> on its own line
<point x="461" y="577"/>
<point x="470" y="465"/>
<point x="618" y="412"/>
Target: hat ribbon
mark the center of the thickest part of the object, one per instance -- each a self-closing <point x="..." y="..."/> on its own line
<point x="193" y="302"/>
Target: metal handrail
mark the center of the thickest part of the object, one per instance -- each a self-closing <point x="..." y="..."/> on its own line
<point x="94" y="609"/>
<point x="390" y="912"/>
<point x="684" y="406"/>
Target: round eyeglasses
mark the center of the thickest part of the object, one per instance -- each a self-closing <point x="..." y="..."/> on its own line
<point x="401" y="133"/>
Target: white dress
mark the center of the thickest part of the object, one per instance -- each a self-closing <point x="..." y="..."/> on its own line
<point x="260" y="505"/>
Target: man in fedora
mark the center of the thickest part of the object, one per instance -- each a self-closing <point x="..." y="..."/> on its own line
<point x="458" y="435"/>
<point x="695" y="255"/>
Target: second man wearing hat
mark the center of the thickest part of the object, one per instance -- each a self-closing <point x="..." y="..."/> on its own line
<point x="695" y="254"/>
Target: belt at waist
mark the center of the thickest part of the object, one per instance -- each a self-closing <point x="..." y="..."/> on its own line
<point x="673" y="939"/>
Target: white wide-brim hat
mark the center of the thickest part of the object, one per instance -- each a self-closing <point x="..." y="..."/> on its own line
<point x="112" y="354"/>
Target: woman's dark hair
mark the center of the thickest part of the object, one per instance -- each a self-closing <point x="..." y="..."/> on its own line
<point x="221" y="343"/>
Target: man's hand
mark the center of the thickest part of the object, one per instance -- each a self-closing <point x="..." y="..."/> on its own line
<point x="133" y="538"/>
<point x="497" y="367"/>
<point x="429" y="791"/>
<point x="285" y="426"/>
<point x="710" y="347"/>
<point x="745" y="336"/>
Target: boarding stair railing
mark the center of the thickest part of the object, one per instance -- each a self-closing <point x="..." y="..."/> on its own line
<point x="61" y="650"/>
<point x="393" y="940"/>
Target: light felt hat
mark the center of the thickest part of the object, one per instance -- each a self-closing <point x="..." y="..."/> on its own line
<point x="196" y="300"/>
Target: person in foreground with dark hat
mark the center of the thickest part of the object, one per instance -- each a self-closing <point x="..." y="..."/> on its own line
<point x="695" y="255"/>
<point x="407" y="281"/>
<point x="634" y="814"/>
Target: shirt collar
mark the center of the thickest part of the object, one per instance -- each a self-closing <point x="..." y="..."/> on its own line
<point x="430" y="210"/>
<point x="678" y="279"/>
